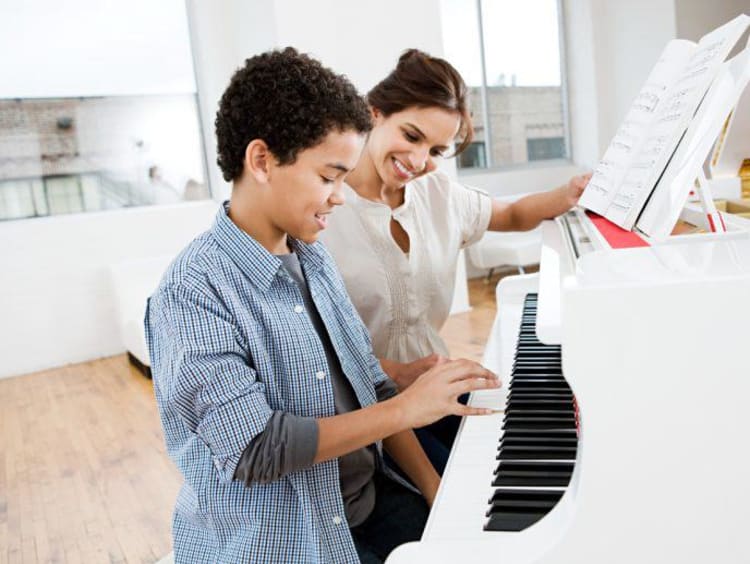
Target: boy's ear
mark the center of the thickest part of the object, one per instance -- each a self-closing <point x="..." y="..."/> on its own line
<point x="258" y="160"/>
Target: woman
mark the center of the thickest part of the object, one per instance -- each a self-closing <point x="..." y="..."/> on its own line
<point x="398" y="239"/>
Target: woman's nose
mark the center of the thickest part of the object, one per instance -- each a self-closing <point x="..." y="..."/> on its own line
<point x="419" y="161"/>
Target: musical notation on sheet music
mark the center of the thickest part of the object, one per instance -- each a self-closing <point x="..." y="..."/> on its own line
<point x="655" y="124"/>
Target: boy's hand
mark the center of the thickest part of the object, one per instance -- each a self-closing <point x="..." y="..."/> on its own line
<point x="435" y="393"/>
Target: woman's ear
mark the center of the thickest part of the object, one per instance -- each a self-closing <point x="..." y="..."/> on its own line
<point x="258" y="160"/>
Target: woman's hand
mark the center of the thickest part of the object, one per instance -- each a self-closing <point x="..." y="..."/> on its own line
<point x="435" y="393"/>
<point x="405" y="373"/>
<point x="572" y="191"/>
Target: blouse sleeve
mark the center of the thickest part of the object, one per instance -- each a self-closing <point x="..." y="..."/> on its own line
<point x="473" y="208"/>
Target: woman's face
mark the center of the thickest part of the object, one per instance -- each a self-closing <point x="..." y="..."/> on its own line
<point x="406" y="145"/>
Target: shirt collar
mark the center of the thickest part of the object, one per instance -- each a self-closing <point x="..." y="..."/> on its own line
<point x="379" y="207"/>
<point x="260" y="266"/>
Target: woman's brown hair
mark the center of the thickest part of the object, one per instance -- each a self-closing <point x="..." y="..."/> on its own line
<point x="420" y="80"/>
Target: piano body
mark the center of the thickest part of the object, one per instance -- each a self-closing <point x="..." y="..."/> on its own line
<point x="653" y="342"/>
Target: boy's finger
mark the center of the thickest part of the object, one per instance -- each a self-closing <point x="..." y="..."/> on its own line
<point x="469" y="385"/>
<point x="466" y="410"/>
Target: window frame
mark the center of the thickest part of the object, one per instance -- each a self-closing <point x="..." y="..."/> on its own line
<point x="564" y="102"/>
<point x="203" y="140"/>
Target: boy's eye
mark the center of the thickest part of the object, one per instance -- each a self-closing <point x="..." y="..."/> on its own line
<point x="327" y="180"/>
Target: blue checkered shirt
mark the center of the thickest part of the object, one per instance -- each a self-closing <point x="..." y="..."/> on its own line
<point x="230" y="342"/>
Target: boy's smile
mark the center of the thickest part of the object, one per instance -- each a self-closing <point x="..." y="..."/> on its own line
<point x="294" y="199"/>
<point x="304" y="193"/>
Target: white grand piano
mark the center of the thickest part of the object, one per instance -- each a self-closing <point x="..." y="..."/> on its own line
<point x="622" y="423"/>
<point x="654" y="346"/>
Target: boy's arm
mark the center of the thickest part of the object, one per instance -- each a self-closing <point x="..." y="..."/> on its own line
<point x="201" y="375"/>
<point x="431" y="397"/>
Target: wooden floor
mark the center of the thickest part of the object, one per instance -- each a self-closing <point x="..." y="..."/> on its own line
<point x="84" y="476"/>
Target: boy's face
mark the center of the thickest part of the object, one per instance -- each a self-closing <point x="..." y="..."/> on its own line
<point x="304" y="193"/>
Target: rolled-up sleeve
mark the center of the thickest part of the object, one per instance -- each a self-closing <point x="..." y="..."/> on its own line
<point x="289" y="443"/>
<point x="202" y="371"/>
<point x="473" y="208"/>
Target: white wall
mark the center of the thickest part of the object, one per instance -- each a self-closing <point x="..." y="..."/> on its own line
<point x="695" y="18"/>
<point x="522" y="180"/>
<point x="55" y="295"/>
<point x="360" y="39"/>
<point x="134" y="47"/>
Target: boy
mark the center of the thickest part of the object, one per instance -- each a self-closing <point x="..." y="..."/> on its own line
<point x="272" y="403"/>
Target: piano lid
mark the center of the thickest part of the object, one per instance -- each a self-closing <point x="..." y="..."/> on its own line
<point x="575" y="255"/>
<point x="681" y="261"/>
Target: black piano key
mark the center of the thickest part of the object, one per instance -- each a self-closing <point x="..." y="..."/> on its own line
<point x="527" y="394"/>
<point x="540" y="385"/>
<point x="546" y="452"/>
<point x="536" y="378"/>
<point x="540" y="423"/>
<point x="523" y="500"/>
<point x="549" y="441"/>
<point x="503" y="495"/>
<point x="515" y="412"/>
<point x="534" y="371"/>
<point x="519" y="415"/>
<point x="539" y="364"/>
<point x="555" y="405"/>
<point x="540" y="434"/>
<point x="539" y="474"/>
<point x="511" y="522"/>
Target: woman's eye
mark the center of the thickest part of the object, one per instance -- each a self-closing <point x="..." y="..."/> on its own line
<point x="436" y="153"/>
<point x="411" y="137"/>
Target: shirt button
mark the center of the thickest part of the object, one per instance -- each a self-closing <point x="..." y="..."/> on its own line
<point x="320" y="375"/>
<point x="336" y="520"/>
<point x="298" y="309"/>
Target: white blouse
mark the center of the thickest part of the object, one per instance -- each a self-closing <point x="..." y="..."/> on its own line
<point x="404" y="299"/>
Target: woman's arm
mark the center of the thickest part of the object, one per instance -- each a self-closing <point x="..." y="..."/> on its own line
<point x="406" y="451"/>
<point x="530" y="211"/>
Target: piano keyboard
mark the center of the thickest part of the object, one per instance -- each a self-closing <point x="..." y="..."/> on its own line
<point x="539" y="442"/>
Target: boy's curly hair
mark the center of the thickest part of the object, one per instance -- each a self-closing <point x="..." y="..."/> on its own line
<point x="288" y="100"/>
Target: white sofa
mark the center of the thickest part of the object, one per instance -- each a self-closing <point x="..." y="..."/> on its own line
<point x="133" y="282"/>
<point x="516" y="249"/>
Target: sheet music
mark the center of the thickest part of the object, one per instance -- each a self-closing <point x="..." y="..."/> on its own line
<point x="608" y="175"/>
<point x="655" y="124"/>
<point x="661" y="213"/>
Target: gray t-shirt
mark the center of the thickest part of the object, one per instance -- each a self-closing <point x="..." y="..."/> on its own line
<point x="289" y="442"/>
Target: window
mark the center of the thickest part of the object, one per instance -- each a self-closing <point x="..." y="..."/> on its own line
<point x="545" y="148"/>
<point x="510" y="57"/>
<point x="474" y="156"/>
<point x="101" y="123"/>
